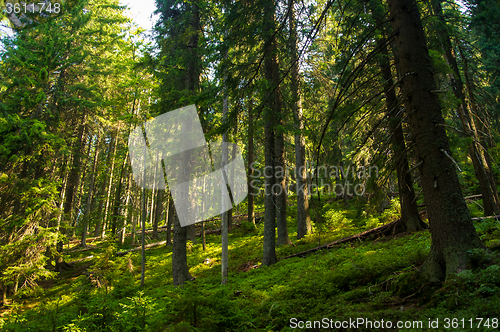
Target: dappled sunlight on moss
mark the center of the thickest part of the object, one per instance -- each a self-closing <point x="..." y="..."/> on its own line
<point x="369" y="278"/>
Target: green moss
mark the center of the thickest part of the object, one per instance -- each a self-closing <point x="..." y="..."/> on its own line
<point x="376" y="279"/>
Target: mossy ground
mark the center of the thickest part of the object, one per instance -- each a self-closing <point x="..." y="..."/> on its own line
<point x="376" y="279"/>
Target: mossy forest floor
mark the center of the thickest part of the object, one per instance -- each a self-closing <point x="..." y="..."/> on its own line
<point x="376" y="279"/>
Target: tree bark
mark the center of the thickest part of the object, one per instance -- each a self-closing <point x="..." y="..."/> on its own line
<point x="272" y="75"/>
<point x="128" y="206"/>
<point x="476" y="152"/>
<point x="158" y="212"/>
<point x="74" y="221"/>
<point x="303" y="219"/>
<point x="73" y="179"/>
<point x="180" y="269"/>
<point x="410" y="218"/>
<point x="250" y="157"/>
<point x="88" y="204"/>
<point x="491" y="202"/>
<point x="170" y="218"/>
<point x="97" y="230"/>
<point x="134" y="227"/>
<point x="273" y="108"/>
<point x="451" y="226"/>
<point x="114" y="143"/>
<point x="225" y="217"/>
<point x="118" y="198"/>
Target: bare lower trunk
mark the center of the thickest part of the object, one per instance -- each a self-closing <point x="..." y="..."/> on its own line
<point x="4" y="293"/>
<point x="410" y="218"/>
<point x="271" y="118"/>
<point x="191" y="233"/>
<point x="476" y="153"/>
<point x="203" y="240"/>
<point x="158" y="212"/>
<point x="303" y="219"/>
<point x="128" y="206"/>
<point x="482" y="167"/>
<point x="90" y="194"/>
<point x="170" y="218"/>
<point x="134" y="230"/>
<point x="453" y="234"/>
<point x="251" y="203"/>
<point x="115" y="216"/>
<point x="74" y="221"/>
<point x="180" y="270"/>
<point x="225" y="217"/>
<point x="72" y="184"/>
<point x="111" y="163"/>
<point x="269" y="256"/>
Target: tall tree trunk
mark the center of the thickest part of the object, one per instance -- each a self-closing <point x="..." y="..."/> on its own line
<point x="250" y="157"/>
<point x="410" y="218"/>
<point x="203" y="240"/>
<point x="134" y="225"/>
<point x="280" y="167"/>
<point x="4" y="293"/>
<point x="476" y="152"/>
<point x="72" y="184"/>
<point x="272" y="203"/>
<point x="225" y="217"/>
<point x="180" y="269"/>
<point x="231" y="180"/>
<point x="74" y="221"/>
<point x="491" y="201"/>
<point x="303" y="219"/>
<point x="170" y="219"/>
<point x="158" y="211"/>
<point x="118" y="197"/>
<point x="143" y="220"/>
<point x="114" y="143"/>
<point x="90" y="193"/>
<point x="452" y="232"/>
<point x="128" y="206"/>
<point x="98" y="224"/>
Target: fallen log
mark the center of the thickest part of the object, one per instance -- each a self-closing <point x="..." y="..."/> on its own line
<point x="474" y="196"/>
<point x="88" y="240"/>
<point x="468" y="198"/>
<point x="123" y="253"/>
<point x="87" y="248"/>
<point x="375" y="231"/>
<point x="82" y="259"/>
<point x="482" y="218"/>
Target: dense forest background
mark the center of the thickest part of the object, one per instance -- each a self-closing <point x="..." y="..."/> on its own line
<point x="369" y="133"/>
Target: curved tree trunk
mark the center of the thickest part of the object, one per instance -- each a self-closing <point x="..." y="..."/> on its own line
<point x="476" y="152"/>
<point x="450" y="223"/>
<point x="410" y="218"/>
